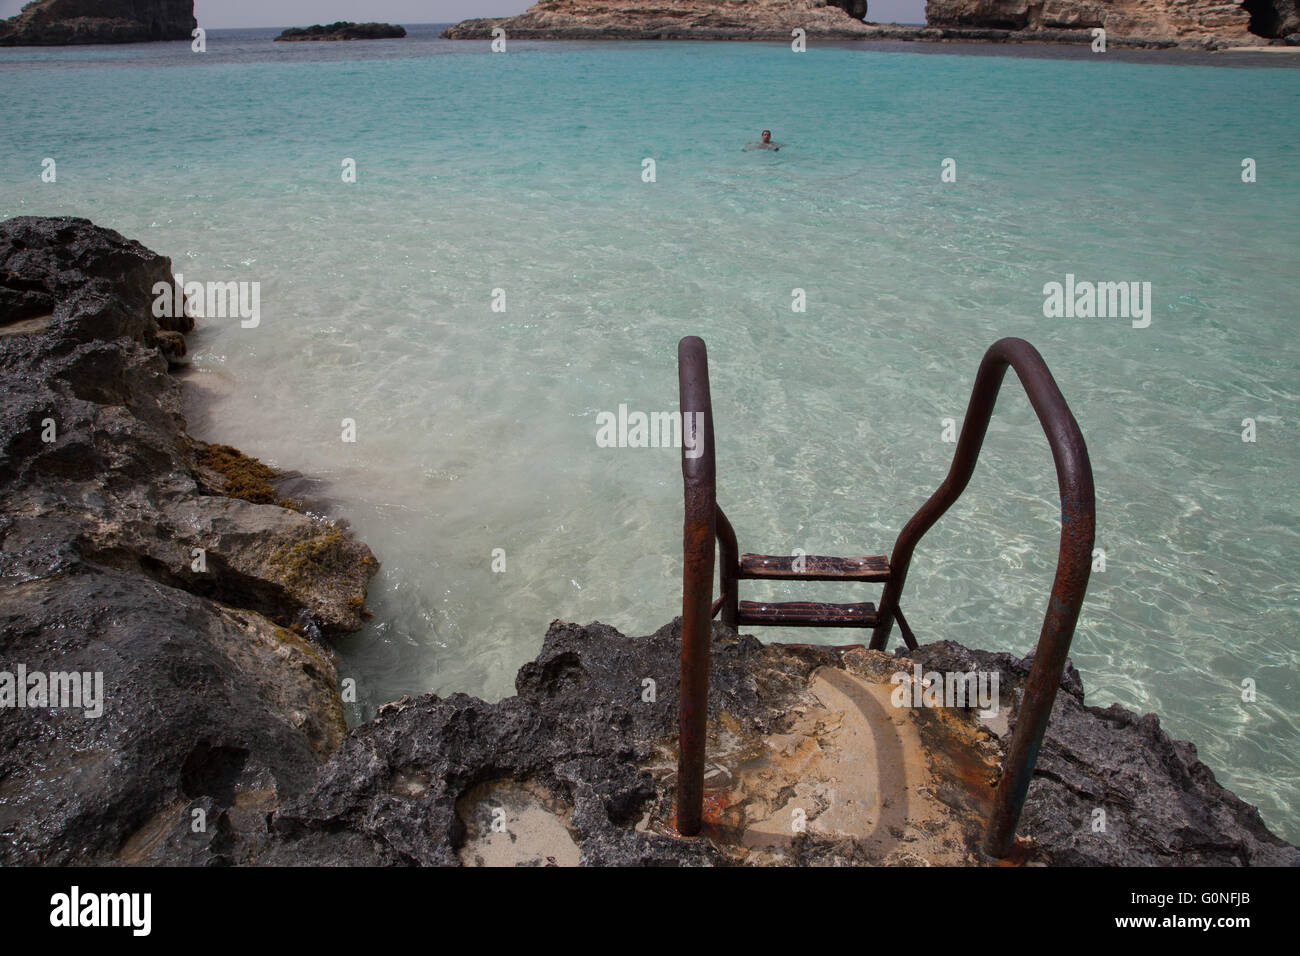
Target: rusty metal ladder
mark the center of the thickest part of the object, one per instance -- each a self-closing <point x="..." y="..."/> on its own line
<point x="706" y="527"/>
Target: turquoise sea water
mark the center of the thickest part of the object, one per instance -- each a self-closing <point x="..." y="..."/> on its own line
<point x="523" y="172"/>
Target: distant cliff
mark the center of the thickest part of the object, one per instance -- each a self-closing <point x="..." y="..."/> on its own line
<point x="1211" y="24"/>
<point x="59" y="22"/>
<point x="675" y="19"/>
<point x="1214" y="22"/>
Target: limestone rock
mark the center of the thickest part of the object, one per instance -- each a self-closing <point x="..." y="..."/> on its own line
<point x="58" y="22"/>
<point x="675" y="19"/>
<point x="1207" y="23"/>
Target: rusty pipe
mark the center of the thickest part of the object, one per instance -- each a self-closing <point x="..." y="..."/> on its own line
<point x="698" y="536"/>
<point x="728" y="572"/>
<point x="1073" y="565"/>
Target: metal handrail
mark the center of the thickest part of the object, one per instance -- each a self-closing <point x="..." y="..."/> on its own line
<point x="706" y="524"/>
<point x="728" y="572"/>
<point x="1073" y="565"/>
<point x="699" y="534"/>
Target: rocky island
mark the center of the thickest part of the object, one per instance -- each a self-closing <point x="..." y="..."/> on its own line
<point x="343" y="30"/>
<point x="675" y="20"/>
<point x="201" y="596"/>
<point x="1200" y="24"/>
<point x="59" y="22"/>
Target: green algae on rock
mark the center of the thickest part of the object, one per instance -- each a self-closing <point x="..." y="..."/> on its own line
<point x="245" y="477"/>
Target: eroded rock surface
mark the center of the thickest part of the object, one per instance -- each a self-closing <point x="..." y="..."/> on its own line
<point x="806" y="733"/>
<point x="121" y="552"/>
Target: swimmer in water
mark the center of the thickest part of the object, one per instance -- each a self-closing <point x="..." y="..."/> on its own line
<point x="765" y="142"/>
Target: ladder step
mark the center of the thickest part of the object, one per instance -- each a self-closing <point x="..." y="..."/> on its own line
<point x="813" y="567"/>
<point x="807" y="614"/>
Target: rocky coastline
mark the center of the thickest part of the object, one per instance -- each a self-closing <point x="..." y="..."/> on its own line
<point x="60" y="22"/>
<point x="579" y="768"/>
<point x="1134" y="24"/>
<point x="205" y="598"/>
<point x="1138" y="24"/>
<point x="132" y="550"/>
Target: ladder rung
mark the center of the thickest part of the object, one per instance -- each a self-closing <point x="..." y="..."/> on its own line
<point x="807" y="614"/>
<point x="814" y="567"/>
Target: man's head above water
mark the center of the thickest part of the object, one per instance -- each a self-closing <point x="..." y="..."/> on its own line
<point x="764" y="143"/>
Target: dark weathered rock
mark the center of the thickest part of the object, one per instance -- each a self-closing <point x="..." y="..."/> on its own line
<point x="1273" y="18"/>
<point x="343" y="30"/>
<point x="396" y="792"/>
<point x="1196" y="23"/>
<point x="576" y="727"/>
<point x="205" y="706"/>
<point x="59" y="22"/>
<point x="1163" y="807"/>
<point x="122" y="481"/>
<point x="210" y="694"/>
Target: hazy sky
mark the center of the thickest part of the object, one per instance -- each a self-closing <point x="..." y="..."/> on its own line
<point x="281" y="13"/>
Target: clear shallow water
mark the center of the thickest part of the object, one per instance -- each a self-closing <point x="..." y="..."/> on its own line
<point x="523" y="172"/>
